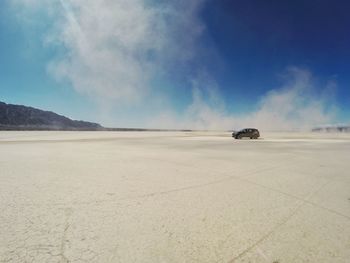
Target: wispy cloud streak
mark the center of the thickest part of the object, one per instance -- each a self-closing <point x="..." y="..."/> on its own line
<point x="113" y="49"/>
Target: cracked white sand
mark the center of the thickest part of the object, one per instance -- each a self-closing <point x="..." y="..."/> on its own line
<point x="174" y="197"/>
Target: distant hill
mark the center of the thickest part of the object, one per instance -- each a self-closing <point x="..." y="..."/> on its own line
<point x="18" y="117"/>
<point x="340" y="128"/>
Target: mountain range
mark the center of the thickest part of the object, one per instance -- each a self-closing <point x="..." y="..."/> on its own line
<point x="19" y="117"/>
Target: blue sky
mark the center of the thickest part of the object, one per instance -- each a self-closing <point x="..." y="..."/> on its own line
<point x="190" y="64"/>
<point x="258" y="39"/>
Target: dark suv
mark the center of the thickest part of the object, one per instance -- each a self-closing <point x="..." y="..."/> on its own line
<point x="249" y="133"/>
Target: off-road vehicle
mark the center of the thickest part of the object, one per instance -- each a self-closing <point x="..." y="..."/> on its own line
<point x="246" y="133"/>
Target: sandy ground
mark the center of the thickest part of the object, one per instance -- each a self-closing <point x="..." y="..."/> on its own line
<point x="174" y="197"/>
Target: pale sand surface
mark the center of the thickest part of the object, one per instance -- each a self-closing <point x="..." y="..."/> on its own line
<point x="174" y="197"/>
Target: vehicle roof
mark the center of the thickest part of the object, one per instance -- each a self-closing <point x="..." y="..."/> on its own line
<point x="249" y="129"/>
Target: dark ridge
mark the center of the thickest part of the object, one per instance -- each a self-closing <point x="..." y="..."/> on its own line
<point x="19" y="117"/>
<point x="23" y="118"/>
<point x="332" y="129"/>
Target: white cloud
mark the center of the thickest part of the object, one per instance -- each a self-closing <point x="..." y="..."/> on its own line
<point x="294" y="106"/>
<point x="113" y="48"/>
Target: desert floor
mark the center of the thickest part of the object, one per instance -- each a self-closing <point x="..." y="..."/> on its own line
<point x="174" y="197"/>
